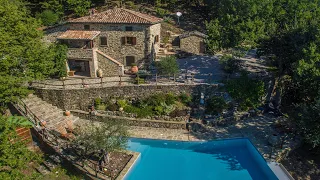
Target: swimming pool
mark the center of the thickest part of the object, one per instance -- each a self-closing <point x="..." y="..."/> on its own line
<point x="173" y="160"/>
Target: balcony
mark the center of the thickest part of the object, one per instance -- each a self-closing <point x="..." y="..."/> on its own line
<point x="78" y="53"/>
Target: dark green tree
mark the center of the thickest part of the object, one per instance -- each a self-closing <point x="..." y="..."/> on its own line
<point x="48" y="17"/>
<point x="60" y="59"/>
<point x="79" y="7"/>
<point x="167" y="65"/>
<point x="23" y="55"/>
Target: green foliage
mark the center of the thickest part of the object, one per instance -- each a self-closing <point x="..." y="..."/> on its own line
<point x="141" y="112"/>
<point x="139" y="80"/>
<point x="122" y="103"/>
<point x="53" y="5"/>
<point x="185" y="98"/>
<point x="23" y="55"/>
<point x="307" y="117"/>
<point x="108" y="136"/>
<point x="167" y="65"/>
<point x="230" y="64"/>
<point x="159" y="110"/>
<point x="15" y="156"/>
<point x="19" y="121"/>
<point x="60" y="59"/>
<point x="97" y="101"/>
<point x="246" y="91"/>
<point x="161" y="12"/>
<point x="112" y="107"/>
<point x="48" y="17"/>
<point x="168" y="19"/>
<point x="79" y="7"/>
<point x="215" y="105"/>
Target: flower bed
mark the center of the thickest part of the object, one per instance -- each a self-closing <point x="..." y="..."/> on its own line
<point x="168" y="107"/>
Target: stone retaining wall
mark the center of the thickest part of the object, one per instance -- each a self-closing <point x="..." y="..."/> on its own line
<point x="131" y="121"/>
<point x="131" y="115"/>
<point x="81" y="98"/>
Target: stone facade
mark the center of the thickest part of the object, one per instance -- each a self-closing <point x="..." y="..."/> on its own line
<point x="108" y="67"/>
<point x="81" y="98"/>
<point x="144" y="48"/>
<point x="75" y="53"/>
<point x="192" y="44"/>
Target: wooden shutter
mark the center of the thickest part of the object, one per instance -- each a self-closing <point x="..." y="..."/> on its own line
<point x="123" y="40"/>
<point x="134" y="41"/>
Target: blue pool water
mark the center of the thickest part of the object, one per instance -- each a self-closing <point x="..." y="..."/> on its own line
<point x="174" y="160"/>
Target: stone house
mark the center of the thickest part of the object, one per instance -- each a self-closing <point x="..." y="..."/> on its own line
<point x="193" y="42"/>
<point x="111" y="41"/>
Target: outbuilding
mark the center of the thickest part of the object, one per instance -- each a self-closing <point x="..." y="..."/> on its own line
<point x="193" y="42"/>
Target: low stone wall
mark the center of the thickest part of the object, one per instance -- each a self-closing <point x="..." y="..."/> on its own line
<point x="81" y="98"/>
<point x="131" y="121"/>
<point x="130" y="115"/>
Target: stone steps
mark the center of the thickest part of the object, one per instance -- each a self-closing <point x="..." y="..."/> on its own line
<point x="53" y="115"/>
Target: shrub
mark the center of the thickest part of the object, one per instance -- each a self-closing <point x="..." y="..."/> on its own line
<point x="122" y="103"/>
<point x="178" y="113"/>
<point x="113" y="107"/>
<point x="145" y="112"/>
<point x="170" y="99"/>
<point x="139" y="80"/>
<point x="101" y="107"/>
<point x="168" y="19"/>
<point x="167" y="65"/>
<point x="185" y="98"/>
<point x="159" y="110"/>
<point x="248" y="92"/>
<point x="215" y="105"/>
<point x="97" y="101"/>
<point x="161" y="12"/>
<point x="230" y="64"/>
<point x="48" y="17"/>
<point x="156" y="100"/>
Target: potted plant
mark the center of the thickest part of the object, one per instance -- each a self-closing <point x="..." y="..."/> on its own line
<point x="67" y="113"/>
<point x="100" y="73"/>
<point x="134" y="68"/>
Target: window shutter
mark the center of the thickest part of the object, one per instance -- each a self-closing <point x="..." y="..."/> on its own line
<point x="134" y="41"/>
<point x="123" y="40"/>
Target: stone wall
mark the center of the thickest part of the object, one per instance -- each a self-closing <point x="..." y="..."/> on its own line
<point x="114" y="33"/>
<point x="153" y="46"/>
<point x="75" y="53"/>
<point x="108" y="67"/>
<point x="131" y="121"/>
<point x="191" y="44"/>
<point x="81" y="98"/>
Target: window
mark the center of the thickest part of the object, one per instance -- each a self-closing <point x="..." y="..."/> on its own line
<point x="128" y="40"/>
<point x="129" y="28"/>
<point x="86" y="27"/>
<point x="130" y="60"/>
<point x="103" y="41"/>
<point x="156" y="38"/>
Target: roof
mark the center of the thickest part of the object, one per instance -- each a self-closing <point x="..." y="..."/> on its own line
<point x="193" y="33"/>
<point x="83" y="35"/>
<point x="117" y="16"/>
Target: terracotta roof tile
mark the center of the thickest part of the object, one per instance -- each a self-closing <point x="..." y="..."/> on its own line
<point x="84" y="35"/>
<point x="119" y="15"/>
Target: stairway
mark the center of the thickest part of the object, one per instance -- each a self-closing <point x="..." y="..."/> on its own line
<point x="53" y="116"/>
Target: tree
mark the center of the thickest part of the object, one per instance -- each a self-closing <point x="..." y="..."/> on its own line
<point x="99" y="140"/>
<point x="48" y="17"/>
<point x="79" y="7"/>
<point x="57" y="6"/>
<point x="167" y="65"/>
<point x="23" y="54"/>
<point x="15" y="156"/>
<point x="307" y="117"/>
<point x="60" y="59"/>
<point x="248" y="92"/>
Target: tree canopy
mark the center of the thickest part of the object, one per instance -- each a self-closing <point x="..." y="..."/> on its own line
<point x="167" y="65"/>
<point x="23" y="54"/>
